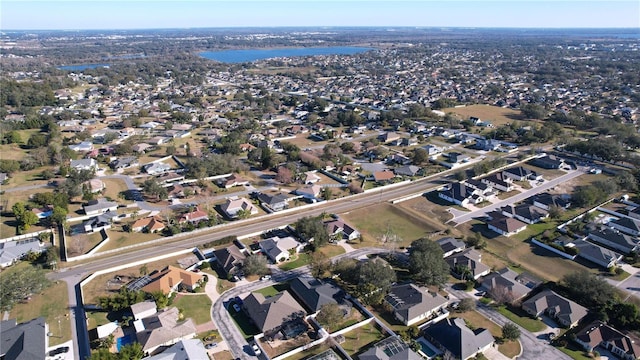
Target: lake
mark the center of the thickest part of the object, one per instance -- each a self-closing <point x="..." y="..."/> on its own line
<point x="240" y="56"/>
<point x="81" y="67"/>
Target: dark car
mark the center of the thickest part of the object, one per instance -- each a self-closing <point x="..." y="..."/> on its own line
<point x="60" y="350"/>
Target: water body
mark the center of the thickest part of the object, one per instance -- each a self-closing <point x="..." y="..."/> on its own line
<point x="81" y="67"/>
<point x="249" y="55"/>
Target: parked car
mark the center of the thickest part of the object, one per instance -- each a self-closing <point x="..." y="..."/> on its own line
<point x="210" y="346"/>
<point x="60" y="350"/>
<point x="256" y="349"/>
<point x="266" y="277"/>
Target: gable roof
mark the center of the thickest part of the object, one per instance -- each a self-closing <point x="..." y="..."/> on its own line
<point x="269" y="313"/>
<point x="530" y="212"/>
<point x="469" y="258"/>
<point x="24" y="341"/>
<point x="314" y="293"/>
<point x="391" y="348"/>
<point x="187" y="349"/>
<point x="164" y="328"/>
<point x="152" y="223"/>
<point x="410" y="301"/>
<point x="229" y="257"/>
<point x="550" y="199"/>
<point x="506" y="279"/>
<point x="235" y="204"/>
<point x="629" y="223"/>
<point x="458" y="191"/>
<point x="170" y="277"/>
<point x="273" y="199"/>
<point x="598" y="332"/>
<point x="383" y="175"/>
<point x="448" y="244"/>
<point x="620" y="240"/>
<point x="519" y="171"/>
<point x="454" y="335"/>
<point x="407" y="170"/>
<point x="507" y="224"/>
<point x="564" y="308"/>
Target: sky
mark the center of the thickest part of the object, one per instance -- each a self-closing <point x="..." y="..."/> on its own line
<point x="153" y="14"/>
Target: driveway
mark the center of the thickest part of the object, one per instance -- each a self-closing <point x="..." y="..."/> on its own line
<point x="466" y="216"/>
<point x="631" y="284"/>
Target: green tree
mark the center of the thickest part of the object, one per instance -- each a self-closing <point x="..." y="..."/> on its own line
<point x="374" y="280"/>
<point x="466" y="304"/>
<point x="329" y="316"/>
<point x="319" y="264"/>
<point x="255" y="265"/>
<point x="25" y="218"/>
<point x="510" y="331"/>
<point x="18" y="285"/>
<point x="592" y="290"/>
<point x="309" y="228"/>
<point x="426" y="263"/>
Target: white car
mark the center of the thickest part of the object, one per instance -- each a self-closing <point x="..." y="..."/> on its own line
<point x="266" y="277"/>
<point x="256" y="349"/>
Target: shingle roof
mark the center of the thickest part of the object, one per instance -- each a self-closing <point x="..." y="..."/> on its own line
<point x="170" y="277"/>
<point x="164" y="328"/>
<point x="24" y="341"/>
<point x="564" y="308"/>
<point x="456" y="337"/>
<point x="410" y="301"/>
<point x="391" y="348"/>
<point x="314" y="293"/>
<point x="269" y="313"/>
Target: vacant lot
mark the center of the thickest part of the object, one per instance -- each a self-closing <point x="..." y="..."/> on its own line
<point x="357" y="340"/>
<point x="494" y="114"/>
<point x="376" y="221"/>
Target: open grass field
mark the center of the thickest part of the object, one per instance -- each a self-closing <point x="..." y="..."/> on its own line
<point x="52" y="304"/>
<point x="82" y="243"/>
<point x="100" y="285"/>
<point x="426" y="210"/>
<point x="375" y="221"/>
<point x="494" y="114"/>
<point x="197" y="307"/>
<point x="357" y="340"/>
<point x="508" y="348"/>
<point x="113" y="187"/>
<point x="310" y="352"/>
<point x="26" y="178"/>
<point x="520" y="317"/>
<point x="120" y="239"/>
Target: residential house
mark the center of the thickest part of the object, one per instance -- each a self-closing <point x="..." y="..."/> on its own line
<point x="3" y="177"/>
<point x="412" y="304"/>
<point x="399" y="158"/>
<point x="141" y="148"/>
<point x="231" y="181"/>
<point x="271" y="313"/>
<point x="498" y="181"/>
<point x="230" y="259"/>
<point x="453" y="337"/>
<point x="279" y="249"/>
<point x="506" y="226"/>
<point x="170" y="177"/>
<point x="548" y="162"/>
<point x="389" y="137"/>
<point x="599" y="334"/>
<point x="43" y="212"/>
<point x="275" y="202"/>
<point x="311" y="177"/>
<point x="339" y="230"/>
<point x="84" y="146"/>
<point x="597" y="254"/>
<point x="84" y="164"/>
<point x="310" y="192"/>
<point x="460" y="194"/>
<point x="383" y="176"/>
<point x="158" y="140"/>
<point x="485" y="190"/>
<point x="487" y="144"/>
<point x="99" y="206"/>
<point x="187" y="349"/>
<point x="194" y="216"/>
<point x="234" y="205"/>
<point x="457" y="158"/>
<point x="24" y="341"/>
<point x="93" y="186"/>
<point x="149" y="224"/>
<point x="171" y="279"/>
<point x="450" y="246"/>
<point x="391" y="348"/>
<point x="432" y="150"/>
<point x="156" y="168"/>
<point x="143" y="309"/>
<point x="527" y="213"/>
<point x="163" y="329"/>
<point x="14" y="250"/>
<point x="563" y="310"/>
<point x="520" y="173"/>
<point x="615" y="240"/>
<point x="407" y="170"/>
<point x="100" y="222"/>
<point x="314" y="293"/>
<point x="546" y="201"/>
<point x="505" y="284"/>
<point x="626" y="225"/>
<point x="124" y="163"/>
<point x="467" y="260"/>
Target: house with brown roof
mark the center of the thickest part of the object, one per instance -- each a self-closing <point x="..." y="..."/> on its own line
<point x="149" y="224"/>
<point x="171" y="278"/>
<point x="383" y="176"/>
<point x="231" y="181"/>
<point x="599" y="334"/>
<point x="563" y="310"/>
<point x="194" y="216"/>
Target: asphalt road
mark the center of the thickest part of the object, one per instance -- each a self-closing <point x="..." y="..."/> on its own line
<point x="533" y="348"/>
<point x="462" y="217"/>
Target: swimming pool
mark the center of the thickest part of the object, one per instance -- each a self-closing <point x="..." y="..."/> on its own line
<point x="427" y="349"/>
<point x="125" y="340"/>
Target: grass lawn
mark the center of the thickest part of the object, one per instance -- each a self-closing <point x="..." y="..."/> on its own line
<point x="520" y="318"/>
<point x="506" y="195"/>
<point x="302" y="259"/>
<point x="52" y="304"/>
<point x="509" y="348"/>
<point x="574" y="351"/>
<point x="494" y="114"/>
<point x="332" y="250"/>
<point x="273" y="290"/>
<point x="247" y="328"/>
<point x="196" y="307"/>
<point x="388" y="319"/>
<point x="223" y="355"/>
<point x="120" y="239"/>
<point x="375" y="221"/>
<point x="96" y="318"/>
<point x="310" y="352"/>
<point x="113" y="187"/>
<point x="357" y="340"/>
<point x="82" y="243"/>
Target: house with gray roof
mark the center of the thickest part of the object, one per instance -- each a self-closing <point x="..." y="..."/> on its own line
<point x="269" y="314"/>
<point x="314" y="293"/>
<point x="275" y="202"/>
<point x="187" y="349"/>
<point x="412" y="304"/>
<point x="163" y="329"/>
<point x="24" y="341"/>
<point x="505" y="283"/>
<point x="84" y="164"/>
<point x="526" y="213"/>
<point x="156" y="168"/>
<point x="391" y="348"/>
<point x="100" y="206"/>
<point x="626" y="225"/>
<point x="563" y="310"/>
<point x="469" y="259"/>
<point x="230" y="259"/>
<point x="615" y="240"/>
<point x="279" y="249"/>
<point x="546" y="201"/>
<point x="12" y="251"/>
<point x="453" y="337"/>
<point x="597" y="254"/>
<point x="450" y="246"/>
